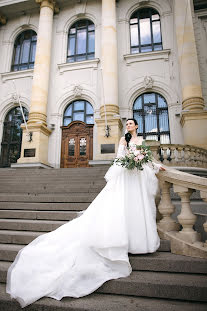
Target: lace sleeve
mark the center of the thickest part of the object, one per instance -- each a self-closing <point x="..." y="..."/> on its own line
<point x="121" y="151"/>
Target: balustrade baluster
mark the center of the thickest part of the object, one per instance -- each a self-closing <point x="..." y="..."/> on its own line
<point x="186" y="218"/>
<point x="173" y="150"/>
<point x="204" y="198"/>
<point x="166" y="209"/>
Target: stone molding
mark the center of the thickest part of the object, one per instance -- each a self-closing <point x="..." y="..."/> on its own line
<point x="35" y="127"/>
<point x="49" y="4"/>
<point x="13" y="75"/>
<point x="87" y="64"/>
<point x="111" y="110"/>
<point x="141" y="57"/>
<point x="37" y="118"/>
<point x="193" y="115"/>
<point x="193" y="103"/>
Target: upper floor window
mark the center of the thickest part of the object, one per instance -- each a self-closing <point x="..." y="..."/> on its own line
<point x="145" y="31"/>
<point x="81" y="41"/>
<point x="79" y="110"/>
<point x="24" y="51"/>
<point x="151" y="112"/>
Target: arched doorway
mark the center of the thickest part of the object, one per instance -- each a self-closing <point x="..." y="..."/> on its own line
<point x="12" y="137"/>
<point x="77" y="134"/>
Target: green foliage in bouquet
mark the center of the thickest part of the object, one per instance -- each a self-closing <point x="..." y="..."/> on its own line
<point x="136" y="156"/>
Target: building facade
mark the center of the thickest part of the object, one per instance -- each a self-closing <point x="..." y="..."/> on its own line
<point x="81" y="68"/>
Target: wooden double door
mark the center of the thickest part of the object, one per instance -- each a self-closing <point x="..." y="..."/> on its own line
<point x="77" y="144"/>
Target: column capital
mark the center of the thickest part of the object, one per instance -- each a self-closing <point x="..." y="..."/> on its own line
<point x="3" y="19"/>
<point x="48" y="3"/>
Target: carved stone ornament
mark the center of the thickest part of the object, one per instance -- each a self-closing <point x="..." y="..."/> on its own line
<point x="143" y="1"/>
<point x="14" y="97"/>
<point x="77" y="91"/>
<point x="148" y="82"/>
<point x="3" y="19"/>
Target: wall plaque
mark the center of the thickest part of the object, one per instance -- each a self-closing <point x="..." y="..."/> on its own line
<point x="29" y="153"/>
<point x="107" y="148"/>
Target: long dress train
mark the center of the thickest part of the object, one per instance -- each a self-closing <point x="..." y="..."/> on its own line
<point x="78" y="257"/>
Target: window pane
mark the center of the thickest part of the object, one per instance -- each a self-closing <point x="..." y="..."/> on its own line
<point x="78" y="116"/>
<point x="16" y="57"/>
<point x="138" y="103"/>
<point x="89" y="109"/>
<point x="81" y="41"/>
<point x="134" y="50"/>
<point x="91" y="42"/>
<point x="68" y="111"/>
<point x="133" y="21"/>
<point x="155" y="17"/>
<point x="146" y="49"/>
<point x="134" y="35"/>
<point x="67" y="121"/>
<point x="90" y="56"/>
<point x="163" y="121"/>
<point x="165" y="139"/>
<point x="79" y="105"/>
<point x="71" y="147"/>
<point x="139" y="119"/>
<point x="72" y="31"/>
<point x="158" y="47"/>
<point x="71" y="49"/>
<point x="149" y="98"/>
<point x="25" y="51"/>
<point x="145" y="33"/>
<point x="33" y="51"/>
<point x="83" y="146"/>
<point x="71" y="59"/>
<point x="150" y="119"/>
<point x="152" y="137"/>
<point x="89" y="120"/>
<point x="91" y="27"/>
<point x="80" y="58"/>
<point x="161" y="102"/>
<point x="156" y="32"/>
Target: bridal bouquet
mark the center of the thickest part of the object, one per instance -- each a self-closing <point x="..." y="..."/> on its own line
<point x="136" y="156"/>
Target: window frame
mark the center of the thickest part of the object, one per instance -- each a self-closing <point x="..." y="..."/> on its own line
<point x="136" y="14"/>
<point x="20" y="39"/>
<point x="144" y="134"/>
<point x="87" y="55"/>
<point x="80" y="111"/>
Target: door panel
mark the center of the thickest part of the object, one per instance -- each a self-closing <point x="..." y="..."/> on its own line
<point x="77" y="144"/>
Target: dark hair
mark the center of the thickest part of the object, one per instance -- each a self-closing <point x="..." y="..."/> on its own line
<point x="132" y="119"/>
<point x="128" y="135"/>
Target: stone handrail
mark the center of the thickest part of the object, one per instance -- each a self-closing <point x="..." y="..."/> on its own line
<point x="185" y="241"/>
<point x="179" y="155"/>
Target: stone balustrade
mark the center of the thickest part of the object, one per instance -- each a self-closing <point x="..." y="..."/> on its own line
<point x="184" y="239"/>
<point x="179" y="155"/>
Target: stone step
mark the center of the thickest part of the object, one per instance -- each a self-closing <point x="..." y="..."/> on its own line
<point x="30" y="225"/>
<point x="41" y="215"/>
<point x="8" y="252"/>
<point x="157" y="262"/>
<point x="45" y="197"/>
<point x="43" y="206"/>
<point x="100" y="302"/>
<point x="178" y="286"/>
<point x="55" y="189"/>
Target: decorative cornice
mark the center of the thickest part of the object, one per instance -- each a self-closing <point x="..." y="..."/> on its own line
<point x="86" y="64"/>
<point x="147" y="56"/>
<point x="16" y="75"/>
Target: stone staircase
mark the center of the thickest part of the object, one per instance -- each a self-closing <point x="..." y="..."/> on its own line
<point x="34" y="201"/>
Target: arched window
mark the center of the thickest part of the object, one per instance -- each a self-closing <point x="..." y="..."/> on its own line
<point x="145" y="31"/>
<point x="81" y="41"/>
<point x="79" y="110"/>
<point x="151" y="112"/>
<point x="12" y="136"/>
<point x="24" y="51"/>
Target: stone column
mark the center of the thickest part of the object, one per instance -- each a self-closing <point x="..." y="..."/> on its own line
<point x="194" y="118"/>
<point x="37" y="123"/>
<point x="109" y="72"/>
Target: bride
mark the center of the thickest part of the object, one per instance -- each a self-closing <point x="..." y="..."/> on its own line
<point x="78" y="257"/>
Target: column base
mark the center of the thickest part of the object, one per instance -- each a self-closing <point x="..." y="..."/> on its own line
<point x="167" y="226"/>
<point x="35" y="152"/>
<point x="194" y="125"/>
<point x="107" y="146"/>
<point x="189" y="237"/>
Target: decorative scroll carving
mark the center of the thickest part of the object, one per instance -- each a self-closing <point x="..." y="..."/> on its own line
<point x="148" y="82"/>
<point x="78" y="90"/>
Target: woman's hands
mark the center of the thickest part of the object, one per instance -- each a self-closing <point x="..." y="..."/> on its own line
<point x="162" y="168"/>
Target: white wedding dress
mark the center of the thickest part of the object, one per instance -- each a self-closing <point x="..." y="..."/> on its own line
<point x="78" y="257"/>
